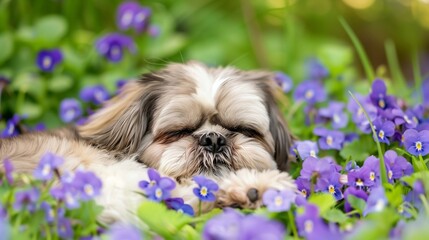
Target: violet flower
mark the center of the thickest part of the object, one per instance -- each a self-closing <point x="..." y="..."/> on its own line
<point x="379" y="95"/>
<point x="384" y="130"/>
<point x="87" y="184"/>
<point x="284" y="81"/>
<point x="425" y="92"/>
<point x="157" y="188"/>
<point x="223" y="226"/>
<point x="335" y="112"/>
<point x="122" y="231"/>
<point x="180" y="206"/>
<point x="306" y="149"/>
<point x="278" y="201"/>
<point x="398" y="165"/>
<point x="358" y="115"/>
<point x="416" y="143"/>
<point x="310" y="91"/>
<point x="315" y="168"/>
<point x="112" y="46"/>
<point x="8" y="170"/>
<point x="70" y="110"/>
<point x="360" y="178"/>
<point x="64" y="228"/>
<point x="311" y="226"/>
<point x="329" y="139"/>
<point x="46" y="167"/>
<point x="332" y="185"/>
<point x="48" y="59"/>
<point x="11" y="129"/>
<point x="304" y="186"/>
<point x="205" y="188"/>
<point x="96" y="94"/>
<point x="376" y="201"/>
<point x="26" y="199"/>
<point x="133" y="15"/>
<point x="316" y="70"/>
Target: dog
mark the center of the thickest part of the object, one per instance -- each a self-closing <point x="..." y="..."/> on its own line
<point x="183" y="120"/>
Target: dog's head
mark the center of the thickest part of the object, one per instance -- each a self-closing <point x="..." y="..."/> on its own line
<point x="189" y="119"/>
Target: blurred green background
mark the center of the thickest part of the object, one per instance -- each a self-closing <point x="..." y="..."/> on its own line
<point x="273" y="34"/>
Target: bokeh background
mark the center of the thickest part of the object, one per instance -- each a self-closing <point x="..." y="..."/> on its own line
<point x="278" y="35"/>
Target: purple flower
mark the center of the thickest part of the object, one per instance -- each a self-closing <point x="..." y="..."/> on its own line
<point x="47" y="165"/>
<point x="315" y="168"/>
<point x="398" y="166"/>
<point x="49" y="212"/>
<point x="284" y="81"/>
<point x="26" y="199"/>
<point x="351" y="166"/>
<point x="360" y="178"/>
<point x="133" y="15"/>
<point x="373" y="165"/>
<point x="358" y="115"/>
<point x="304" y="186"/>
<point x="311" y="226"/>
<point x="332" y="185"/>
<point x="384" y="129"/>
<point x="3" y="213"/>
<point x="180" y="206"/>
<point x="306" y="149"/>
<point x="376" y="201"/>
<point x="70" y="110"/>
<point x="158" y="188"/>
<point x="48" y="59"/>
<point x="354" y="192"/>
<point x="233" y="225"/>
<point x="223" y="226"/>
<point x="335" y="113"/>
<point x="205" y="188"/>
<point x="87" y="184"/>
<point x="119" y="85"/>
<point x="379" y="96"/>
<point x="112" y="46"/>
<point x="96" y="94"/>
<point x="416" y="143"/>
<point x="64" y="228"/>
<point x="66" y="193"/>
<point x="316" y="70"/>
<point x="5" y="229"/>
<point x="278" y="201"/>
<point x="11" y="129"/>
<point x="121" y="231"/>
<point x="8" y="170"/>
<point x="329" y="139"/>
<point x="310" y="91"/>
<point x="154" y="30"/>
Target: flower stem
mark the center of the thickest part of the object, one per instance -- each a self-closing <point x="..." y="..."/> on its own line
<point x="200" y="203"/>
<point x="292" y="224"/>
<point x="383" y="173"/>
<point x="422" y="162"/>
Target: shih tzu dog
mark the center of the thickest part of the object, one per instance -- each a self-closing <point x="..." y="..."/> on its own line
<point x="184" y="120"/>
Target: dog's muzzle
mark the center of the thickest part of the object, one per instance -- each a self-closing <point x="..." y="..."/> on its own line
<point x="212" y="142"/>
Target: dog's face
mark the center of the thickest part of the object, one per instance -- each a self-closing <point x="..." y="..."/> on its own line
<point x="188" y="119"/>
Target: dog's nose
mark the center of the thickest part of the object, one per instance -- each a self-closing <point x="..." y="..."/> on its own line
<point x="212" y="142"/>
<point x="253" y="195"/>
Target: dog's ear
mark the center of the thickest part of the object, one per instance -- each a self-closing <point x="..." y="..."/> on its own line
<point x="280" y="132"/>
<point x="121" y="124"/>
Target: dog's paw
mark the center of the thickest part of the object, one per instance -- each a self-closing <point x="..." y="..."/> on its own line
<point x="244" y="188"/>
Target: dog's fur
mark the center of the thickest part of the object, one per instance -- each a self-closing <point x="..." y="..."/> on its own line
<point x="160" y="121"/>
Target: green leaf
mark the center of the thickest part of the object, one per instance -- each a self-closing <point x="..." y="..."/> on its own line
<point x="60" y="83"/>
<point x="166" y="223"/>
<point x="323" y="200"/>
<point x="335" y="215"/>
<point x="29" y="83"/>
<point x="356" y="203"/>
<point x="359" y="149"/>
<point x="50" y="29"/>
<point x="31" y="110"/>
<point x="6" y="43"/>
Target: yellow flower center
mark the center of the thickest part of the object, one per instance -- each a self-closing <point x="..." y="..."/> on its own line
<point x="381" y="103"/>
<point x="47" y="61"/>
<point x="158" y="193"/>
<point x="336" y="118"/>
<point x="329" y="140"/>
<point x="152" y="183"/>
<point x="419" y="146"/>
<point x="390" y="174"/>
<point x="278" y="201"/>
<point x="304" y="192"/>
<point x="381" y="134"/>
<point x="89" y="190"/>
<point x="309" y="94"/>
<point x="203" y="191"/>
<point x="115" y="51"/>
<point x="372" y="176"/>
<point x="359" y="182"/>
<point x="312" y="153"/>
<point x="331" y="189"/>
<point x="308" y="226"/>
<point x="46" y="169"/>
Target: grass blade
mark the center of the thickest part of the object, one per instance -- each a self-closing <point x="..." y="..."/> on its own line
<point x="395" y="69"/>
<point x="369" y="71"/>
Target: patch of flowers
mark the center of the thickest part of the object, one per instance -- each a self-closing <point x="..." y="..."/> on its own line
<point x="361" y="159"/>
